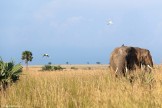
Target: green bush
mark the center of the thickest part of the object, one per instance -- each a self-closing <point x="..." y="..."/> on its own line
<point x="47" y="68"/>
<point x="9" y="73"/>
<point x="51" y="68"/>
<point x="58" y="68"/>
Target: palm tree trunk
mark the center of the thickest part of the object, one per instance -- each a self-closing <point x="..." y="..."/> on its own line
<point x="26" y="65"/>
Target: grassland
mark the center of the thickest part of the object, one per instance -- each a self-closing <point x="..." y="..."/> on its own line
<point x="85" y="86"/>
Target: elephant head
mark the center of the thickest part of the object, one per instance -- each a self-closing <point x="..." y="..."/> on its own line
<point x="144" y="58"/>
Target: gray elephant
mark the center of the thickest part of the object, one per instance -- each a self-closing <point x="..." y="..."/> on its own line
<point x="126" y="58"/>
<point x="122" y="59"/>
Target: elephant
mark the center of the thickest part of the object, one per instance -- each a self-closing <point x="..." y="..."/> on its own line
<point x="126" y="58"/>
<point x="123" y="59"/>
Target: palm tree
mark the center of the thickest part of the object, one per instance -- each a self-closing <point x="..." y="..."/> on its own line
<point x="9" y="73"/>
<point x="27" y="56"/>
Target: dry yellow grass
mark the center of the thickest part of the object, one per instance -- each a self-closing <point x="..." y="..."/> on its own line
<point x="86" y="87"/>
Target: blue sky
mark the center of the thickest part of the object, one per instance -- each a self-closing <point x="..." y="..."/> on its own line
<point x="76" y="30"/>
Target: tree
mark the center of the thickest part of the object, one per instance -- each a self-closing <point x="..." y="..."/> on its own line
<point x="98" y="62"/>
<point x="9" y="73"/>
<point x="27" y="56"/>
<point x="49" y="63"/>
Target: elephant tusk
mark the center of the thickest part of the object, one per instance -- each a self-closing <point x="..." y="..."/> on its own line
<point x="141" y="66"/>
<point x="149" y="66"/>
<point x="126" y="69"/>
<point x="116" y="70"/>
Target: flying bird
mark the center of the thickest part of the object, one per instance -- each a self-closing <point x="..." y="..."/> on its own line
<point x="45" y="55"/>
<point x="109" y="22"/>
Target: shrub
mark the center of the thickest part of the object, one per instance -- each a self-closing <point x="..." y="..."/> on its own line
<point x="9" y="73"/>
<point x="51" y="68"/>
<point x="74" y="68"/>
<point x="58" y="68"/>
<point x="47" y="68"/>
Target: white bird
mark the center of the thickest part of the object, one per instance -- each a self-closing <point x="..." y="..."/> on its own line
<point x="109" y="22"/>
<point x="45" y="55"/>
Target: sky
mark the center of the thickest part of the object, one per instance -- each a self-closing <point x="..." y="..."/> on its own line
<point x="76" y="31"/>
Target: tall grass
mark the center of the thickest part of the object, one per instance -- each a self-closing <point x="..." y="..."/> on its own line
<point x="85" y="89"/>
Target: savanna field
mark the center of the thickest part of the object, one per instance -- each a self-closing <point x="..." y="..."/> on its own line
<point x="84" y="86"/>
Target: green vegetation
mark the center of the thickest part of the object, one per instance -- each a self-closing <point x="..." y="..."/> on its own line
<point x="75" y="68"/>
<point x="9" y="73"/>
<point x="49" y="67"/>
<point x="27" y="56"/>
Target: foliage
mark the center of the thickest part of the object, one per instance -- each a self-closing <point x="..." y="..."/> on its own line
<point x="98" y="62"/>
<point x="74" y="68"/>
<point x="49" y="63"/>
<point x="58" y="68"/>
<point x="27" y="56"/>
<point x="49" y="67"/>
<point x="9" y="73"/>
